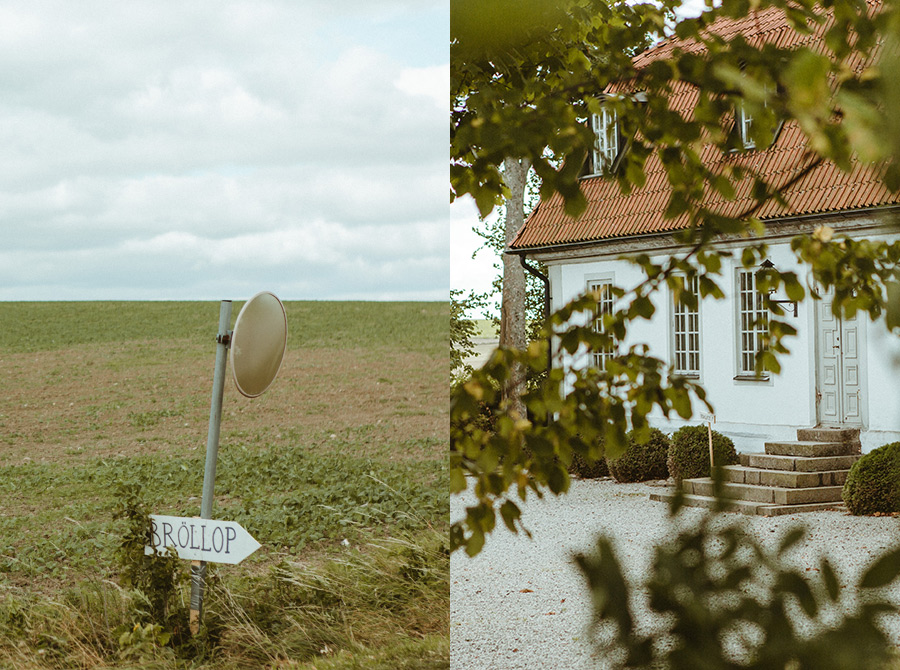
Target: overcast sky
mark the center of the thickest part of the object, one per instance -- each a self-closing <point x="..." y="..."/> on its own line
<point x="208" y="150"/>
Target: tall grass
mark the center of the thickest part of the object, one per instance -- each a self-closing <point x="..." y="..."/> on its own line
<point x="395" y="589"/>
<point x="380" y="606"/>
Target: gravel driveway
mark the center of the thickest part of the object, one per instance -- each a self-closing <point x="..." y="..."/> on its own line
<point x="522" y="604"/>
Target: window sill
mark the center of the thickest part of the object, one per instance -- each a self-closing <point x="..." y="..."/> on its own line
<point x="688" y="375"/>
<point x="751" y="378"/>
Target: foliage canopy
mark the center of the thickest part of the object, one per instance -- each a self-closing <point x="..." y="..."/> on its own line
<point x="526" y="75"/>
<point x="724" y="600"/>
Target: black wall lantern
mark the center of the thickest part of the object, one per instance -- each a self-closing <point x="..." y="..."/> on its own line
<point x="793" y="303"/>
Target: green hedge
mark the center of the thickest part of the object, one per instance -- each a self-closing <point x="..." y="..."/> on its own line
<point x="583" y="468"/>
<point x="689" y="452"/>
<point x="640" y="462"/>
<point x="873" y="484"/>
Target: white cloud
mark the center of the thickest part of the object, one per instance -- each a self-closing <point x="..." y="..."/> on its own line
<point x="432" y="82"/>
<point x="148" y="136"/>
<point x="328" y="260"/>
<point x="199" y="96"/>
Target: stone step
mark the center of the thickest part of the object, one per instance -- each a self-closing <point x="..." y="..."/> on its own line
<point x="740" y="474"/>
<point x="798" y="463"/>
<point x="810" y="449"/>
<point x="848" y="435"/>
<point x="746" y="507"/>
<point x="766" y="494"/>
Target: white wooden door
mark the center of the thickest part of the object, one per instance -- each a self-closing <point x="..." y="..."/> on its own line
<point x="839" y="388"/>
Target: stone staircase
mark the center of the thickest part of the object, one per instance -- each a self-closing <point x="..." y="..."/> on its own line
<point x="803" y="476"/>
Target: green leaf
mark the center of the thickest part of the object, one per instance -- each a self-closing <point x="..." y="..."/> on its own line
<point x="457" y="536"/>
<point x="457" y="480"/>
<point x="608" y="587"/>
<point x="892" y="311"/>
<point x="681" y="402"/>
<point x="557" y="479"/>
<point x="748" y="257"/>
<point x="884" y="571"/>
<point x="575" y="205"/>
<point x="475" y="542"/>
<point x="790" y="538"/>
<point x="832" y="586"/>
<point x="676" y="207"/>
<point x="792" y="287"/>
<point x="643" y="307"/>
<point x="510" y="513"/>
<point x="792" y="582"/>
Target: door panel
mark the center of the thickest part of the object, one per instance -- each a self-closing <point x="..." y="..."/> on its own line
<point x="839" y="374"/>
<point x="850" y="370"/>
<point x="829" y="365"/>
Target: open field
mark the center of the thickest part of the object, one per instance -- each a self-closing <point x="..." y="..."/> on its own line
<point x="106" y="400"/>
<point x="486" y="328"/>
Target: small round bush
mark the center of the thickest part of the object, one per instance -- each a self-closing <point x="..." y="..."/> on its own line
<point x="873" y="484"/>
<point x="640" y="462"/>
<point x="689" y="452"/>
<point x="584" y="469"/>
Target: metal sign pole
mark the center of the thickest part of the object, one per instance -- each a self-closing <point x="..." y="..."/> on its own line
<point x="198" y="568"/>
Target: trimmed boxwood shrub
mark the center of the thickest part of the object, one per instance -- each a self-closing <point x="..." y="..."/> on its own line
<point x="640" y="462"/>
<point x="689" y="452"/>
<point x="584" y="469"/>
<point x="873" y="484"/>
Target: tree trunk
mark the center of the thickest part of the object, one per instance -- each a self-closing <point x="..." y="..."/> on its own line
<point x="512" y="304"/>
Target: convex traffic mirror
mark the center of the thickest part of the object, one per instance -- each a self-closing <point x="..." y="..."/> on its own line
<point x="258" y="343"/>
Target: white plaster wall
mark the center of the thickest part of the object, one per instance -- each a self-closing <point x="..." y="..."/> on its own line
<point x="883" y="349"/>
<point x="750" y="412"/>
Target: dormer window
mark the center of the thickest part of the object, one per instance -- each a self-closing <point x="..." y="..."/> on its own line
<point x="607" y="143"/>
<point x="744" y="123"/>
<point x="741" y="138"/>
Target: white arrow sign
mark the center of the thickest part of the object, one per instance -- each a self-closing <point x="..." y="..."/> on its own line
<point x="198" y="539"/>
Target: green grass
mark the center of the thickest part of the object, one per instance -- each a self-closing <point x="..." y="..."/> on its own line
<point x="486" y="328"/>
<point x="44" y="326"/>
<point x="372" y="473"/>
<point x="290" y="499"/>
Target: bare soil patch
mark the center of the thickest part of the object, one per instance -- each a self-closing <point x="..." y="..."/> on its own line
<point x="153" y="397"/>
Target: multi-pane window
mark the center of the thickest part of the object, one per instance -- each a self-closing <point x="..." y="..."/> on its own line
<point x="744" y="125"/>
<point x="686" y="333"/>
<point x="603" y="291"/>
<point x="754" y="321"/>
<point x="606" y="146"/>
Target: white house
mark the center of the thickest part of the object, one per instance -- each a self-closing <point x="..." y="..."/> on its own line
<point x="839" y="374"/>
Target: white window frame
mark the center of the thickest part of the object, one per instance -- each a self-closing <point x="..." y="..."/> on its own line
<point x="686" y="333"/>
<point x="744" y="124"/>
<point x="606" y="141"/>
<point x="752" y="322"/>
<point x="605" y="305"/>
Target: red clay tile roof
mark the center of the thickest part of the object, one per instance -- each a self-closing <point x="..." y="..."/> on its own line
<point x="609" y="214"/>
